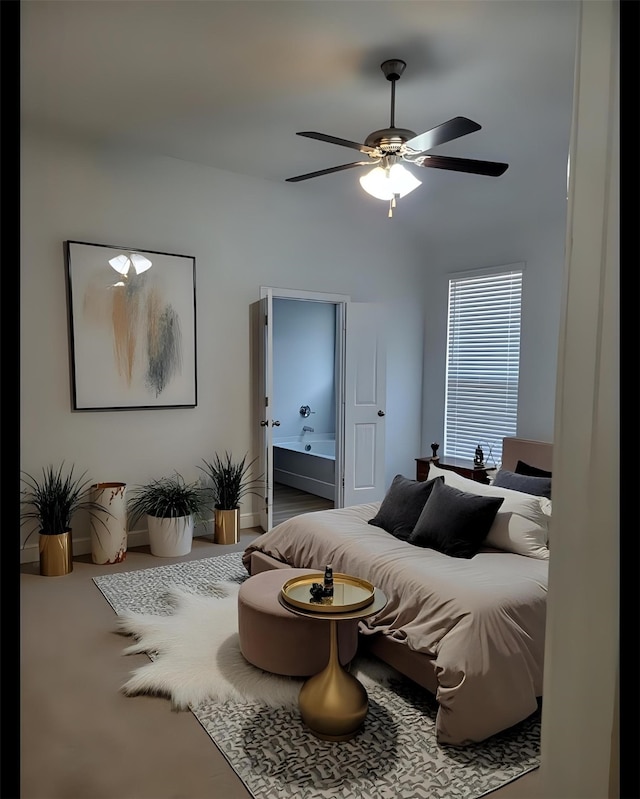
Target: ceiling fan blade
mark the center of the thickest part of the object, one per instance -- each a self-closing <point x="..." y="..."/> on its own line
<point x="364" y="148"/>
<point x="329" y="171"/>
<point x="453" y="129"/>
<point x="491" y="168"/>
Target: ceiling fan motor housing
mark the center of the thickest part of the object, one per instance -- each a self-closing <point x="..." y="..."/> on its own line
<point x="389" y="140"/>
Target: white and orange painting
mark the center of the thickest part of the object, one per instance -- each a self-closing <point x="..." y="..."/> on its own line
<point x="133" y="327"/>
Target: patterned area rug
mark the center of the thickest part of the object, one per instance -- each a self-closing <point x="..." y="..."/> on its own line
<point x="395" y="756"/>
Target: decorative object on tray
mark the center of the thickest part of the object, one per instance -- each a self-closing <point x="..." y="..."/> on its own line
<point x="229" y="482"/>
<point x="327" y="583"/>
<point x="478" y="458"/>
<point x="109" y="532"/>
<point x="52" y="501"/>
<point x="132" y="322"/>
<point x="246" y="711"/>
<point x="434" y="450"/>
<point x="171" y="507"/>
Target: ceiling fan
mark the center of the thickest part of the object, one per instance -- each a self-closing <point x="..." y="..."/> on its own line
<point x="388" y="147"/>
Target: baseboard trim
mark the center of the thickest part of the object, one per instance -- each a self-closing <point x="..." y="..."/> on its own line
<point x="135" y="538"/>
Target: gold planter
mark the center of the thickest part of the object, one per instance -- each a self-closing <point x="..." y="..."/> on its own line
<point x="226" y="526"/>
<point x="56" y="554"/>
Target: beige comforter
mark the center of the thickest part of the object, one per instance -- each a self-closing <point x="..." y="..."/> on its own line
<point x="482" y="619"/>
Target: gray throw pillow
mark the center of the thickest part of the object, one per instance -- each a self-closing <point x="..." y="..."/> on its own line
<point x="402" y="505"/>
<point x="527" y="484"/>
<point x="455" y="522"/>
<point x="532" y="471"/>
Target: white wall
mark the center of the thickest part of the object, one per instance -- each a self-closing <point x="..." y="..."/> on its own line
<point x="244" y="233"/>
<point x="580" y="709"/>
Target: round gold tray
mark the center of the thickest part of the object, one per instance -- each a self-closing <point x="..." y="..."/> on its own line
<point x="349" y="593"/>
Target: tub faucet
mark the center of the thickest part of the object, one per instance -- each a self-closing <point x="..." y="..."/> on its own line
<point x="307" y="429"/>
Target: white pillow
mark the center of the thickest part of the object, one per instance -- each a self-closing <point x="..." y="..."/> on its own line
<point x="545" y="504"/>
<point x="521" y="525"/>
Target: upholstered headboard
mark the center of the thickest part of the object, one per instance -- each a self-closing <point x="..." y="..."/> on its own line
<point x="535" y="453"/>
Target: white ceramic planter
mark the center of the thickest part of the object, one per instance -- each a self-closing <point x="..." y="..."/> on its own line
<point x="109" y="530"/>
<point x="170" y="538"/>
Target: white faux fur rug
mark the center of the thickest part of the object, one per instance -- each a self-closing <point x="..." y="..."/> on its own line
<point x="196" y="655"/>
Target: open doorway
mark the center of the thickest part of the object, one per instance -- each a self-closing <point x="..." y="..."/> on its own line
<point x="304" y="406"/>
<point x="337" y="405"/>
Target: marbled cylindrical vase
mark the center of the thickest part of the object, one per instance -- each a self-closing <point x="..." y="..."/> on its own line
<point x="109" y="530"/>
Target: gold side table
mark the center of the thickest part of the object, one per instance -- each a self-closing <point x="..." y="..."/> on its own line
<point x="333" y="703"/>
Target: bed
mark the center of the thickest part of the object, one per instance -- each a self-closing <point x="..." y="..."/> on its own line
<point x="469" y="626"/>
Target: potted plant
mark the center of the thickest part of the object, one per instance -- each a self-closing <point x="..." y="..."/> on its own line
<point x="171" y="506"/>
<point x="230" y="481"/>
<point x="52" y="501"/>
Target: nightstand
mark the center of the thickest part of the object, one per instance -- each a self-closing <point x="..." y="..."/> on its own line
<point x="462" y="466"/>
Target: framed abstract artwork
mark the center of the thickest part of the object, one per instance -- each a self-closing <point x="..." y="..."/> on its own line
<point x="132" y="328"/>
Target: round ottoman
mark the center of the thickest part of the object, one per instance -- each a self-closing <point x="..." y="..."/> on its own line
<point x="279" y="641"/>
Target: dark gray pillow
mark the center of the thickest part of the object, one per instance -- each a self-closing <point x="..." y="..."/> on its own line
<point x="455" y="522"/>
<point x="532" y="471"/>
<point x="538" y="486"/>
<point x="402" y="505"/>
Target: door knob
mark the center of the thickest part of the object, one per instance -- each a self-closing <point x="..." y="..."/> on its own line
<point x="380" y="413"/>
<point x="276" y="423"/>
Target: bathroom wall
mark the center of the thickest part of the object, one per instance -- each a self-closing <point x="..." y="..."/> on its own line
<point x="303" y="366"/>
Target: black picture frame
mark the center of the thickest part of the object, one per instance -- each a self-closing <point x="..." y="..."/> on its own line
<point x="132" y="327"/>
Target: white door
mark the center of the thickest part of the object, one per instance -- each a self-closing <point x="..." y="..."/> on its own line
<point x="361" y="375"/>
<point x="364" y="405"/>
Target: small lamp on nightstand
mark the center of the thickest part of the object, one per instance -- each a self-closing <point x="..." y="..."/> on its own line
<point x="434" y="449"/>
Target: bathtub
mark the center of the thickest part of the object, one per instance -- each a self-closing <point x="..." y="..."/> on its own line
<point x="308" y="465"/>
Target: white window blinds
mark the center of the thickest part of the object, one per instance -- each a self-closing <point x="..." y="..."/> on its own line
<point x="483" y="361"/>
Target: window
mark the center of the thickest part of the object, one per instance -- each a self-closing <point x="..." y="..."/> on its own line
<point x="483" y="361"/>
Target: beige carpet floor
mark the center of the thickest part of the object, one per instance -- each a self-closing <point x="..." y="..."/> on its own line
<point x="80" y="738"/>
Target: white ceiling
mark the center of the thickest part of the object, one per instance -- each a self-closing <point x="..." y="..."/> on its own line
<point x="229" y="83"/>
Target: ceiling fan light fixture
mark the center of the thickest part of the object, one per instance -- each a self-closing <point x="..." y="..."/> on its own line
<point x="385" y="183"/>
